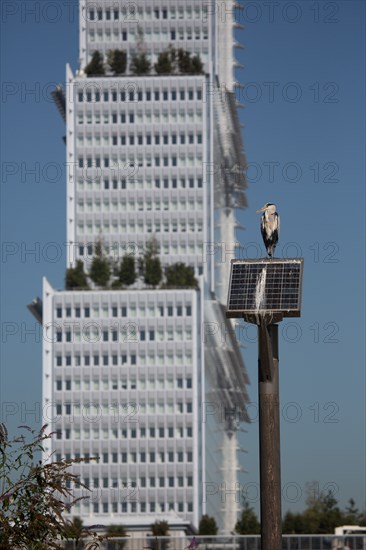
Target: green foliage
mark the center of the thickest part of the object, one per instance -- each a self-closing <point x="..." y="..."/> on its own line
<point x="117" y="285"/>
<point x="140" y="64"/>
<point x="293" y="523"/>
<point x="74" y="533"/>
<point x="33" y="494"/>
<point x="127" y="271"/>
<point x="196" y="65"/>
<point x="151" y="266"/>
<point x="75" y="277"/>
<point x="116" y="531"/>
<point x="207" y="526"/>
<point x="188" y="64"/>
<point x="117" y="61"/>
<point x="180" y="275"/>
<point x="153" y="272"/>
<point x="322" y="514"/>
<point x="184" y="61"/>
<point x="247" y="523"/>
<point x="100" y="270"/>
<point x="166" y="62"/>
<point x="160" y="528"/>
<point x="352" y="515"/>
<point x="96" y="66"/>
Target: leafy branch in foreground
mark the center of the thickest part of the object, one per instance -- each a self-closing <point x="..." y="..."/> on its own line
<point x="33" y="495"/>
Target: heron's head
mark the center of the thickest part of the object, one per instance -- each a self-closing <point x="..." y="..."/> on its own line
<point x="269" y="207"/>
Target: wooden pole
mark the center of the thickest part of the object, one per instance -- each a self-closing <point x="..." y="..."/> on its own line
<point x="269" y="438"/>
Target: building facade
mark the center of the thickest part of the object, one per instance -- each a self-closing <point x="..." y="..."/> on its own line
<point x="150" y="381"/>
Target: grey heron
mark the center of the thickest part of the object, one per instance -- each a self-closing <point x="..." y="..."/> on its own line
<point x="270" y="227"/>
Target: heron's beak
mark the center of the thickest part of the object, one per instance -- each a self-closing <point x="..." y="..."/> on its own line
<point x="261" y="210"/>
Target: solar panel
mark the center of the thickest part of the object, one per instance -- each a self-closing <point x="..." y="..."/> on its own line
<point x="265" y="287"/>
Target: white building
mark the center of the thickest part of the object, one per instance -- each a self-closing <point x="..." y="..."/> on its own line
<point x="150" y="381"/>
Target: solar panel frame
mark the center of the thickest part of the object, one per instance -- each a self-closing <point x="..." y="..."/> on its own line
<point x="265" y="287"/>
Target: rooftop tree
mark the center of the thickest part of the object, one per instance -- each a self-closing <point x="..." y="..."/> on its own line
<point x="140" y="64"/>
<point x="166" y="63"/>
<point x="180" y="275"/>
<point x="76" y="277"/>
<point x="100" y="270"/>
<point x="127" y="271"/>
<point x="95" y="66"/>
<point x="151" y="266"/>
<point x="117" y="61"/>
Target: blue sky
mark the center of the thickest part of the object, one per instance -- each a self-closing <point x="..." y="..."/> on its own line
<point x="304" y="135"/>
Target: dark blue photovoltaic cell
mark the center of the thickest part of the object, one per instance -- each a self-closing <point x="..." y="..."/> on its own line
<point x="273" y="285"/>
